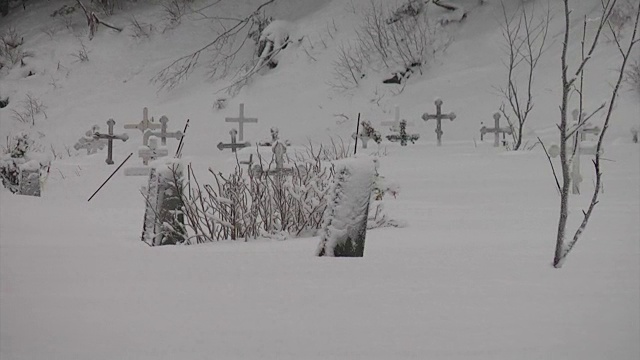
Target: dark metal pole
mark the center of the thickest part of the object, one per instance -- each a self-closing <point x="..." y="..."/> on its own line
<point x="355" y="148"/>
<point x="184" y="132"/>
<point x="110" y="176"/>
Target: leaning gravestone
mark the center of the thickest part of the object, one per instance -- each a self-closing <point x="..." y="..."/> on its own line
<point x="344" y="226"/>
<point x="163" y="218"/>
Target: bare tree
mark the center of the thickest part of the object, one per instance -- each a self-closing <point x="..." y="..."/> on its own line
<point x="223" y="49"/>
<point x="573" y="82"/>
<point x="525" y="40"/>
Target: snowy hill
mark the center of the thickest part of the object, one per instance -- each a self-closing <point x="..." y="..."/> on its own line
<point x="468" y="278"/>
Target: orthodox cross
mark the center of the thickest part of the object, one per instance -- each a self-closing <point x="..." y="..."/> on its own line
<point x="110" y="137"/>
<point x="394" y="124"/>
<point x="89" y="142"/>
<point x="438" y="117"/>
<point x="241" y="120"/>
<point x="496" y="130"/>
<point x="402" y="135"/>
<point x="233" y="145"/>
<point x="145" y="123"/>
<point x="162" y="134"/>
<point x="152" y="151"/>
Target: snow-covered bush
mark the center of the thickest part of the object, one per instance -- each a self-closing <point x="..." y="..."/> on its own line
<point x="29" y="109"/>
<point x="11" y="52"/>
<point x="18" y="156"/>
<point x="633" y="75"/>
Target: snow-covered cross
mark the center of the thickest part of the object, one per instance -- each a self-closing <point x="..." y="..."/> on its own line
<point x="395" y="124"/>
<point x="402" y="135"/>
<point x="584" y="128"/>
<point x="583" y="148"/>
<point x="145" y="123"/>
<point x="162" y="134"/>
<point x="89" y="142"/>
<point x="496" y="130"/>
<point x="241" y="120"/>
<point x="152" y="151"/>
<point x="438" y="116"/>
<point x="367" y="132"/>
<point x="110" y="137"/>
<point x="233" y="145"/>
<point x="634" y="134"/>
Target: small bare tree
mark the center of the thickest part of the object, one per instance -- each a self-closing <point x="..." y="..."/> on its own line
<point x="525" y="39"/>
<point x="573" y="82"/>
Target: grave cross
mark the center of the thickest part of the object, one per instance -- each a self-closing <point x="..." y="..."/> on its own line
<point x="634" y="134"/>
<point x="279" y="149"/>
<point x="89" y="142"/>
<point x="395" y="124"/>
<point x="438" y="117"/>
<point x="152" y="151"/>
<point x="496" y="130"/>
<point x="583" y="148"/>
<point x="110" y="137"/>
<point x="585" y="128"/>
<point x="145" y="123"/>
<point x="402" y="135"/>
<point x="233" y="145"/>
<point x="241" y="120"/>
<point x="162" y="134"/>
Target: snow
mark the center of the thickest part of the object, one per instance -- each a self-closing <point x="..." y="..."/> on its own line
<point x="469" y="277"/>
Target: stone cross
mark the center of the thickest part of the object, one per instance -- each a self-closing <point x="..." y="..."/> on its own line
<point x="395" y="124"/>
<point x="438" y="117"/>
<point x="89" y="142"/>
<point x="496" y="130"/>
<point x="241" y="120"/>
<point x="402" y="135"/>
<point x="162" y="134"/>
<point x="233" y="145"/>
<point x="110" y="137"/>
<point x="152" y="151"/>
<point x="145" y="123"/>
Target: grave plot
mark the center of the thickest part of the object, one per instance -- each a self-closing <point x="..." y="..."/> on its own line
<point x="366" y="133"/>
<point x="21" y="170"/>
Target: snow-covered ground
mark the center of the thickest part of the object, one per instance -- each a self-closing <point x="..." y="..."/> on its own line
<point x="470" y="277"/>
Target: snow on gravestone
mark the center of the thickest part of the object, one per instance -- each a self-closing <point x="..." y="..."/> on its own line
<point x="345" y="220"/>
<point x="163" y="221"/>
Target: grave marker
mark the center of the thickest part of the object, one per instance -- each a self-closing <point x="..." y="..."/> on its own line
<point x="367" y="133"/>
<point x="163" y="219"/>
<point x="344" y="226"/>
<point x="402" y="135"/>
<point x="89" y="142"/>
<point x="145" y="124"/>
<point x="152" y="152"/>
<point x="634" y="134"/>
<point x="496" y="130"/>
<point x="279" y="150"/>
<point x="394" y="125"/>
<point x="241" y="120"/>
<point x="162" y="134"/>
<point x="583" y="148"/>
<point x="110" y="137"/>
<point x="233" y="145"/>
<point x="438" y="116"/>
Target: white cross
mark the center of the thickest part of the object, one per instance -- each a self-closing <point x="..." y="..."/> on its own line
<point x="241" y="120"/>
<point x="152" y="151"/>
<point x="145" y="123"/>
<point x="89" y="142"/>
<point x="395" y="124"/>
<point x="162" y="134"/>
